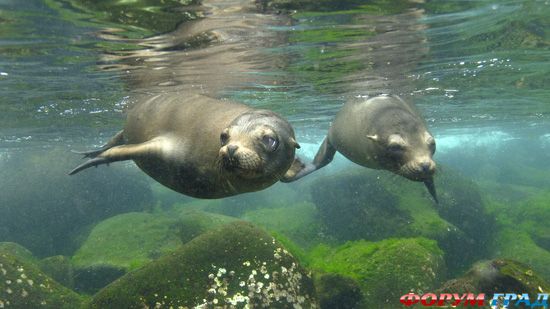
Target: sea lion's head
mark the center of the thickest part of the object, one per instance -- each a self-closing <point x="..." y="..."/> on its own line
<point x="257" y="144"/>
<point x="409" y="153"/>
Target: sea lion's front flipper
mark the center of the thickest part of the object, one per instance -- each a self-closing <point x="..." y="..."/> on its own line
<point x="297" y="170"/>
<point x="121" y="153"/>
<point x="324" y="156"/>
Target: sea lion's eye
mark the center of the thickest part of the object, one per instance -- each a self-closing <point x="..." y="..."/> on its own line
<point x="395" y="147"/>
<point x="270" y="143"/>
<point x="431" y="144"/>
<point x="224" y="137"/>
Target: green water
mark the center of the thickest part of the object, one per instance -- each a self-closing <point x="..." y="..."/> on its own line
<point x="478" y="71"/>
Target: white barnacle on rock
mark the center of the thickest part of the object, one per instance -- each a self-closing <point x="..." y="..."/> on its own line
<point x="212" y="291"/>
<point x="8" y="282"/>
<point x="221" y="272"/>
<point x="242" y="283"/>
<point x="19" y="281"/>
<point x="23" y="276"/>
<point x="215" y="301"/>
<point x="211" y="276"/>
<point x="232" y="273"/>
<point x="9" y="291"/>
<point x="1" y="304"/>
<point x="246" y="263"/>
<point x="4" y="272"/>
<point x="266" y="276"/>
<point x="24" y="293"/>
<point x="30" y="282"/>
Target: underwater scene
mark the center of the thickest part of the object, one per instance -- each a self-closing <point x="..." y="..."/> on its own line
<point x="274" y="153"/>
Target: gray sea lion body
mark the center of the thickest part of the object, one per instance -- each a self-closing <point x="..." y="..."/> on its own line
<point x="383" y="132"/>
<point x="202" y="147"/>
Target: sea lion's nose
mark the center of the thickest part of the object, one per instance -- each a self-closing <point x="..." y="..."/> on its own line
<point x="231" y="150"/>
<point x="427" y="167"/>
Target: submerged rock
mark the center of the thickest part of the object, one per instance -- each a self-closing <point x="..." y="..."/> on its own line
<point x="238" y="264"/>
<point x="384" y="270"/>
<point x="59" y="268"/>
<point x="129" y="241"/>
<point x="356" y="206"/>
<point x="23" y="285"/>
<point x="498" y="276"/>
<point x="337" y="291"/>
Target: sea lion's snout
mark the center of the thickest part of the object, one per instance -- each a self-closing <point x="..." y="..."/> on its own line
<point x="240" y="159"/>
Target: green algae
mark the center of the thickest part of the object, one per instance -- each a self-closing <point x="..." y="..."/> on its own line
<point x="235" y="265"/>
<point x="23" y="285"/>
<point x="384" y="270"/>
<point x="299" y="222"/>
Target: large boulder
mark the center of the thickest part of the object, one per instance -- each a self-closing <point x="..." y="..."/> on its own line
<point x="384" y="270"/>
<point x="375" y="205"/>
<point x="237" y="265"/>
<point x="23" y="285"/>
<point x="299" y="222"/>
<point x="498" y="276"/>
<point x="45" y="210"/>
<point x="128" y="241"/>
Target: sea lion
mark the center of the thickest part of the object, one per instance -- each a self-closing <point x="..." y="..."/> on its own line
<point x="202" y="147"/>
<point x="382" y="132"/>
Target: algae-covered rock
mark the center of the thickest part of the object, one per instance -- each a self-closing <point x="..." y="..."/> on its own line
<point x="44" y="209"/>
<point x="59" y="268"/>
<point x="18" y="251"/>
<point x="238" y="264"/>
<point x="498" y="276"/>
<point x="129" y="241"/>
<point x="23" y="285"/>
<point x="356" y="206"/>
<point x="337" y="291"/>
<point x="299" y="222"/>
<point x="384" y="270"/>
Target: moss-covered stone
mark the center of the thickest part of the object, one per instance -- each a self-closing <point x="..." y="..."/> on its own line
<point x="384" y="270"/>
<point x="23" y="285"/>
<point x="18" y="251"/>
<point x="337" y="291"/>
<point x="378" y="205"/>
<point x="129" y="241"/>
<point x="59" y="268"/>
<point x="44" y="210"/>
<point x="298" y="222"/>
<point x="498" y="276"/>
<point x="522" y="232"/>
<point x="355" y="206"/>
<point x="235" y="265"/>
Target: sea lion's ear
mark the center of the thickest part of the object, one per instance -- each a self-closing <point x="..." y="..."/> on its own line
<point x="373" y="137"/>
<point x="294" y="143"/>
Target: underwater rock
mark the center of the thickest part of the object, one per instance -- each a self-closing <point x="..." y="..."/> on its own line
<point x="44" y="210"/>
<point x="18" y="251"/>
<point x="356" y="206"/>
<point x="59" y="268"/>
<point x="384" y="270"/>
<point x="299" y="222"/>
<point x="237" y="265"/>
<point x="497" y="276"/>
<point x="129" y="241"/>
<point x="337" y="291"/>
<point x="23" y="285"/>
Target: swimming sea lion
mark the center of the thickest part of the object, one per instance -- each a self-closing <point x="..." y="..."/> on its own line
<point x="383" y="132"/>
<point x="202" y="147"/>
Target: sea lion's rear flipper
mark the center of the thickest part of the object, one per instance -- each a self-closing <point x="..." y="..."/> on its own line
<point x="116" y="140"/>
<point x="324" y="156"/>
<point x="119" y="153"/>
